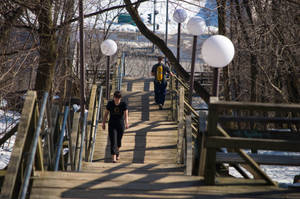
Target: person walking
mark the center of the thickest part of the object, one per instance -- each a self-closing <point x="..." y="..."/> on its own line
<point x="118" y="115"/>
<point x="159" y="71"/>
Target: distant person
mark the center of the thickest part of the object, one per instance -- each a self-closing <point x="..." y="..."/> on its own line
<point x="159" y="71"/>
<point x="118" y="114"/>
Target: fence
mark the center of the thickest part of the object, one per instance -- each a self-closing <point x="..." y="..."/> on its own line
<point x="53" y="137"/>
<point x="202" y="138"/>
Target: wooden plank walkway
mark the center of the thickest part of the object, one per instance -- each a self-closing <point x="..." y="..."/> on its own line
<point x="148" y="167"/>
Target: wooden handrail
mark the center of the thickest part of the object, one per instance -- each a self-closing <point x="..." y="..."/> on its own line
<point x="255" y="106"/>
<point x="11" y="179"/>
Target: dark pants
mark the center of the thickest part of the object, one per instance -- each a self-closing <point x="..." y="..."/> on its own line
<point x="160" y="92"/>
<point x="115" y="137"/>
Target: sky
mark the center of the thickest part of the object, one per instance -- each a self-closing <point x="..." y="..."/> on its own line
<point x="203" y="8"/>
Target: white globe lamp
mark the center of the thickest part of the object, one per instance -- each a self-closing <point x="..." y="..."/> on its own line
<point x="109" y="47"/>
<point x="196" y="25"/>
<point x="217" y="51"/>
<point x="179" y="15"/>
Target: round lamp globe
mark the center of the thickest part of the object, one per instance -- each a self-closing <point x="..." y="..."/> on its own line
<point x="109" y="47"/>
<point x="217" y="51"/>
<point x="179" y="15"/>
<point x="196" y="25"/>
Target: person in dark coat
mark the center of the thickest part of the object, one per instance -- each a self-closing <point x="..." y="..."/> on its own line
<point x="159" y="72"/>
<point x="118" y="121"/>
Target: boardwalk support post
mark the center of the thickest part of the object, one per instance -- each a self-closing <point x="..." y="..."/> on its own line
<point x="189" y="147"/>
<point x="210" y="165"/>
<point x="180" y="125"/>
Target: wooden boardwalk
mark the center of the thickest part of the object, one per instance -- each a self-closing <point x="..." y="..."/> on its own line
<point x="148" y="167"/>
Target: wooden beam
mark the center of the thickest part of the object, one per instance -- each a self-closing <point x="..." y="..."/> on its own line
<point x="283" y="160"/>
<point x="180" y="126"/>
<point x="257" y="106"/>
<point x="77" y="132"/>
<point x="202" y="149"/>
<point x="189" y="146"/>
<point x="75" y="135"/>
<point x="210" y="164"/>
<point x="90" y="125"/>
<point x="248" y="159"/>
<point x="280" y="120"/>
<point x="2" y="172"/>
<point x="253" y="143"/>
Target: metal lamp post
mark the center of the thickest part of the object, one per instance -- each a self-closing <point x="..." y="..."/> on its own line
<point x="196" y="26"/>
<point x="108" y="48"/>
<point x="218" y="52"/>
<point x="179" y="16"/>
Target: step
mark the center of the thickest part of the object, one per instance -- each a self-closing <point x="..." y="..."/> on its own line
<point x="111" y="184"/>
<point x="170" y="169"/>
<point x="139" y="139"/>
<point x="136" y="159"/>
<point x="146" y="132"/>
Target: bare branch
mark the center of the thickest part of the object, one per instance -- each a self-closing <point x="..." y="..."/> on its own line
<point x="98" y="13"/>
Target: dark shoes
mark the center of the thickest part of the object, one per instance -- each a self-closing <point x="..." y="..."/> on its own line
<point x="160" y="106"/>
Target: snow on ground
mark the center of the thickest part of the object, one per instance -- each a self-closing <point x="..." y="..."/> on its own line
<point x="282" y="174"/>
<point x="7" y="122"/>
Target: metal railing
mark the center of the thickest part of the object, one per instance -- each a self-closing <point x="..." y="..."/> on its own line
<point x="56" y="139"/>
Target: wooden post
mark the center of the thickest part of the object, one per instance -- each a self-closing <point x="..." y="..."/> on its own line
<point x="171" y="95"/>
<point x="75" y="141"/>
<point x="90" y="125"/>
<point x="39" y="160"/>
<point x="93" y="123"/>
<point x="51" y="143"/>
<point x="180" y="125"/>
<point x="210" y="164"/>
<point x="202" y="149"/>
<point x="189" y="145"/>
<point x="173" y="99"/>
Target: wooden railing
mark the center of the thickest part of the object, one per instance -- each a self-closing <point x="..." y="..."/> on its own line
<point x="201" y="138"/>
<point x="264" y="123"/>
<point x="58" y="131"/>
<point x="191" y="125"/>
<point x="27" y="140"/>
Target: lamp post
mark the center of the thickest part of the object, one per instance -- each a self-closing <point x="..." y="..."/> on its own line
<point x="82" y="60"/>
<point x="217" y="51"/>
<point x="108" y="48"/>
<point x="196" y="26"/>
<point x="167" y="23"/>
<point x="179" y="16"/>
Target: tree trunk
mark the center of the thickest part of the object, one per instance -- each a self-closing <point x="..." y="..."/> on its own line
<point x="222" y="31"/>
<point x="47" y="50"/>
<point x="253" y="57"/>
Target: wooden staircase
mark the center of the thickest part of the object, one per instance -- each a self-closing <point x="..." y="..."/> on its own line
<point x="147" y="168"/>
